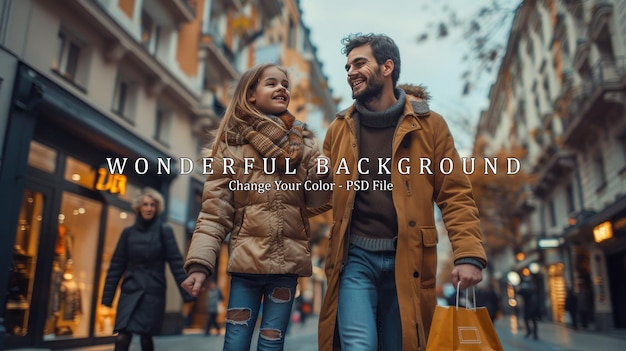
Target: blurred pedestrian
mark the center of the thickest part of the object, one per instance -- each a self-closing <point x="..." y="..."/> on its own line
<point x="571" y="307"/>
<point x="303" y="307"/>
<point x="388" y="232"/>
<point x="269" y="245"/>
<point x="139" y="262"/>
<point x="487" y="297"/>
<point x="585" y="305"/>
<point x="532" y="307"/>
<point x="213" y="300"/>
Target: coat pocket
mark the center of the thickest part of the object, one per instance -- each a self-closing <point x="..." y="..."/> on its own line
<point x="130" y="284"/>
<point x="429" y="257"/>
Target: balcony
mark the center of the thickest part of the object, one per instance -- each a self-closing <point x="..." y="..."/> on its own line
<point x="600" y="16"/>
<point x="552" y="167"/>
<point x="181" y="10"/>
<point x="560" y="26"/>
<point x="526" y="201"/>
<point x="575" y="7"/>
<point x="594" y="98"/>
<point x="271" y="8"/>
<point x="219" y="56"/>
<point x="226" y="5"/>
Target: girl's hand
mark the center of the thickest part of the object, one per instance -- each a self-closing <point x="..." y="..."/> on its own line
<point x="194" y="283"/>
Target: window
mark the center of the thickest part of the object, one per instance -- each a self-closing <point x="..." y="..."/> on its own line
<point x="565" y="50"/>
<point x="163" y="125"/>
<point x="546" y="89"/>
<point x="125" y="97"/>
<point x="68" y="58"/>
<point x="598" y="162"/>
<point x="539" y="27"/>
<point x="149" y="32"/>
<point x="69" y="311"/>
<point x="116" y="220"/>
<point x="22" y="270"/>
<point x="552" y="209"/>
<point x="79" y="173"/>
<point x="570" y="199"/>
<point x="291" y="34"/>
<point x="530" y="50"/>
<point x="621" y="138"/>
<point x="42" y="157"/>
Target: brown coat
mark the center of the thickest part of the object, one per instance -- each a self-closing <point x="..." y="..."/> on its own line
<point x="420" y="134"/>
<point x="269" y="228"/>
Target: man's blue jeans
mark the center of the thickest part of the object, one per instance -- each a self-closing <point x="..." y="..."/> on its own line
<point x="368" y="313"/>
<point x="244" y="303"/>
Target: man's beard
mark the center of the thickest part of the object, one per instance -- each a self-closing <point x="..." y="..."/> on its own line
<point x="373" y="90"/>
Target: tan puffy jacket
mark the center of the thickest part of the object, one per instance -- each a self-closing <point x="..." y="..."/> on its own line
<point x="269" y="228"/>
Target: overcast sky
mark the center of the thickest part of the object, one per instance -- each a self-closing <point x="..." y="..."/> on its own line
<point x="437" y="64"/>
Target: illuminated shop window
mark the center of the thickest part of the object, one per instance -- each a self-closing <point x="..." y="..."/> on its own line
<point x="117" y="220"/>
<point x="80" y="173"/>
<point x="73" y="267"/>
<point x="42" y="157"/>
<point x="19" y="295"/>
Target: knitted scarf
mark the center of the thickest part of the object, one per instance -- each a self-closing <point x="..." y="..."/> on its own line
<point x="269" y="140"/>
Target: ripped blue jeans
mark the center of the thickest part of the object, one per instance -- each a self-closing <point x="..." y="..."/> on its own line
<point x="244" y="303"/>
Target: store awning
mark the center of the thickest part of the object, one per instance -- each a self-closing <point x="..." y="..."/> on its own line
<point x="82" y="119"/>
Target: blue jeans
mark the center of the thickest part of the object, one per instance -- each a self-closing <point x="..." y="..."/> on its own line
<point x="368" y="315"/>
<point x="246" y="291"/>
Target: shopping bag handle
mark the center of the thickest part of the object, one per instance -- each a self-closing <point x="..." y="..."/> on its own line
<point x="458" y="290"/>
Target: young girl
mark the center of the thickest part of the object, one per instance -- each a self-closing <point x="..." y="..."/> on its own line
<point x="262" y="157"/>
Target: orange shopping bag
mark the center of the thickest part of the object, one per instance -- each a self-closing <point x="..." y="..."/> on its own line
<point x="462" y="329"/>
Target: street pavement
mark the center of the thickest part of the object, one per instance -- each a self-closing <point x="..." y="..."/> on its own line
<point x="299" y="338"/>
<point x="555" y="337"/>
<point x="552" y="337"/>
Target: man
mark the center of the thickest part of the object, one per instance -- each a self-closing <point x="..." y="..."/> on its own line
<point x="382" y="255"/>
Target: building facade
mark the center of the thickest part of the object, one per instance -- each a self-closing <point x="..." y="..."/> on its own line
<point x="560" y="96"/>
<point x="88" y="87"/>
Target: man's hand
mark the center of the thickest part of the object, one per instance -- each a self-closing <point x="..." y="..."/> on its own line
<point x="194" y="283"/>
<point x="468" y="274"/>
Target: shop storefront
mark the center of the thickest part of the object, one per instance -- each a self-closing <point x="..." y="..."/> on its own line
<point x="554" y="259"/>
<point x="598" y="254"/>
<point x="66" y="214"/>
<point x="609" y="269"/>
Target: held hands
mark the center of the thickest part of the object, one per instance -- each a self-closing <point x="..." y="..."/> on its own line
<point x="194" y="283"/>
<point x="468" y="274"/>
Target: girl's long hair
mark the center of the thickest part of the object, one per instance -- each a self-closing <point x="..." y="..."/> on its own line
<point x="239" y="104"/>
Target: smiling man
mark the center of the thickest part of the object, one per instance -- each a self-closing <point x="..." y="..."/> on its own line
<point x="382" y="256"/>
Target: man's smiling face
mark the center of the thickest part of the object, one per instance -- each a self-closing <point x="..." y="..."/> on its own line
<point x="364" y="74"/>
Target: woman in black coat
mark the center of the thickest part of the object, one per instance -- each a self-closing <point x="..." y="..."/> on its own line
<point x="139" y="258"/>
<point x="532" y="307"/>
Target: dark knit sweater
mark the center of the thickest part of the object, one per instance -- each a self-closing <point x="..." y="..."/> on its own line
<point x="374" y="224"/>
